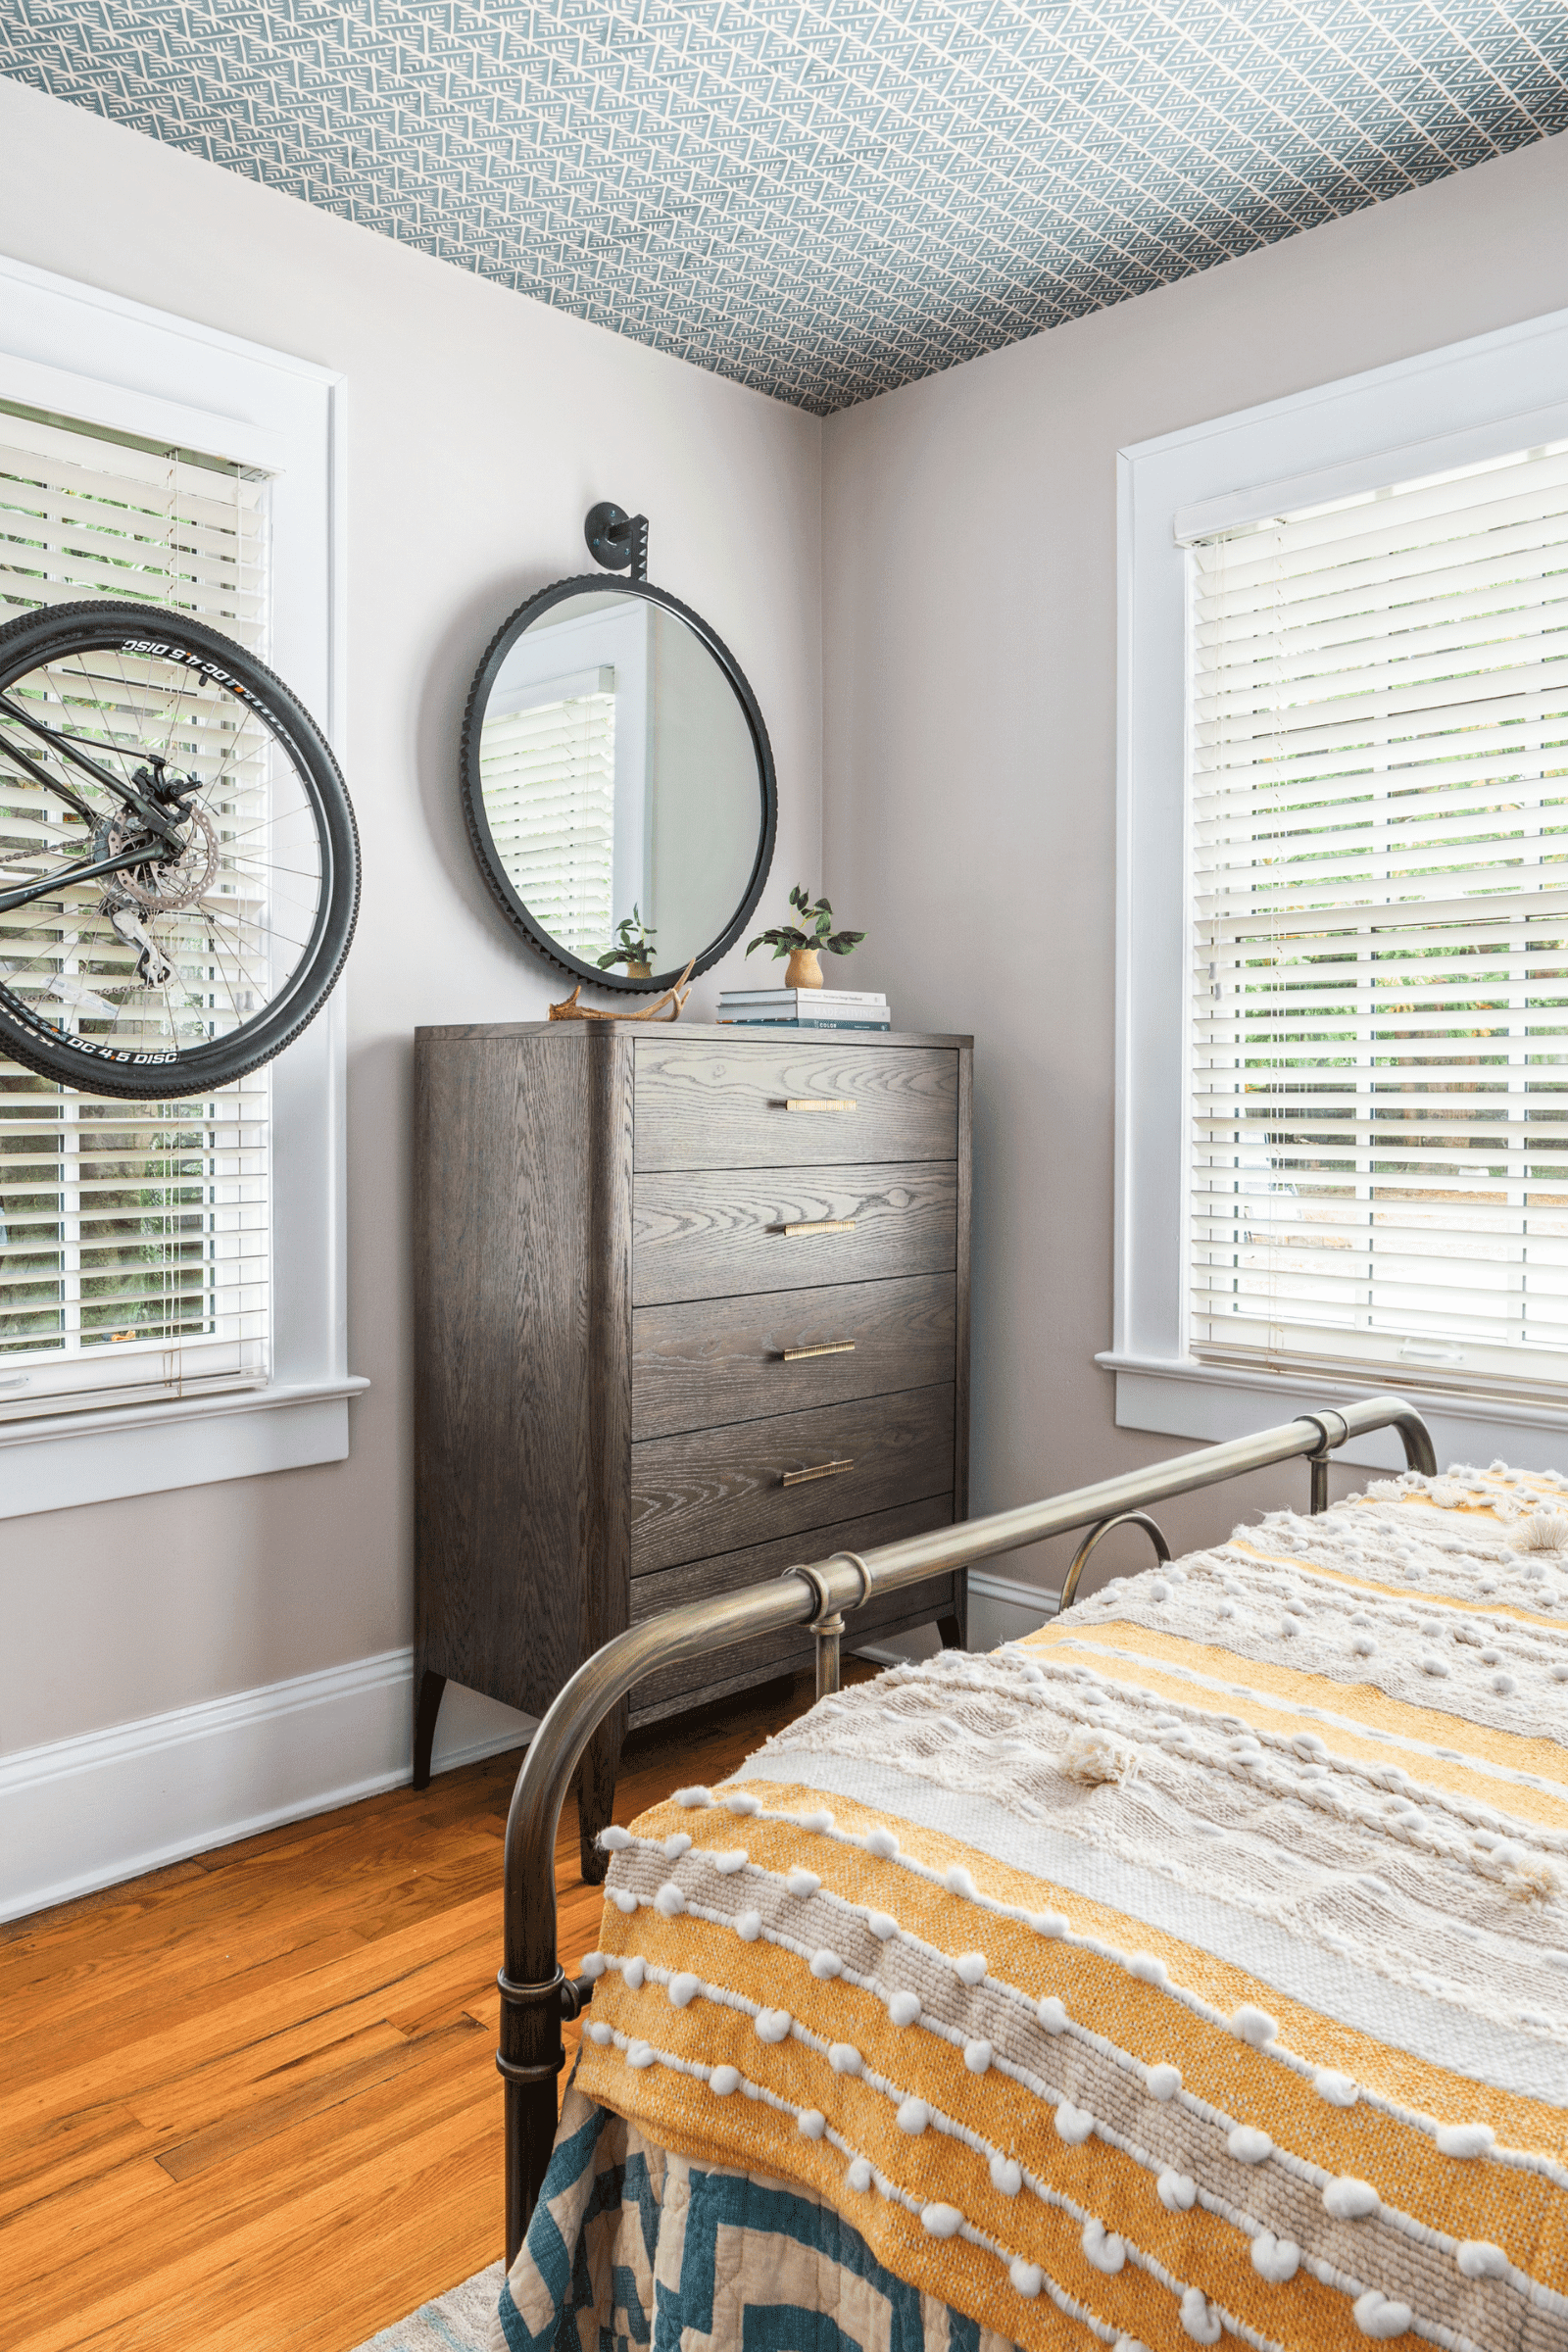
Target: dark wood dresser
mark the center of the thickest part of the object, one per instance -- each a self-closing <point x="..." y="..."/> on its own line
<point x="692" y="1304"/>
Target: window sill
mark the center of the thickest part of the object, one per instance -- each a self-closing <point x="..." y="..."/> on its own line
<point x="63" y="1460"/>
<point x="1181" y="1399"/>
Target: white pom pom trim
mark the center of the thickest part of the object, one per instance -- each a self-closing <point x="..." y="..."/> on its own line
<point x="1348" y="2199"/>
<point x="1276" y="2259"/>
<point x="1376" y="2316"/>
<point x="1201" y="2321"/>
<point x="1107" y="2253"/>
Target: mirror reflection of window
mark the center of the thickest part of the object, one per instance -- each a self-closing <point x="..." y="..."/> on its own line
<point x="567" y="812"/>
<point x="547" y="758"/>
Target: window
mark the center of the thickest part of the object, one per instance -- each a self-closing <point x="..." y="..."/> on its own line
<point x="217" y="1236"/>
<point x="134" y="1239"/>
<point x="1342" y="926"/>
<point x="1378" y="1091"/>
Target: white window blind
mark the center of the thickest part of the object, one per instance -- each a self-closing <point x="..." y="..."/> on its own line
<point x="135" y="1238"/>
<point x="1379" y="858"/>
<point x="548" y="770"/>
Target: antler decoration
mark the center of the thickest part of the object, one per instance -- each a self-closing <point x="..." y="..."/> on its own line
<point x="568" y="1010"/>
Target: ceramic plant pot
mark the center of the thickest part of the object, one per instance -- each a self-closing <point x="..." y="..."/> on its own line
<point x="803" y="969"/>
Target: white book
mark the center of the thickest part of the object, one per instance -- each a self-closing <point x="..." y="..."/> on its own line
<point x="801" y="995"/>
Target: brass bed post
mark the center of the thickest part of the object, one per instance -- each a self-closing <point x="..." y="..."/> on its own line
<point x="535" y="1993"/>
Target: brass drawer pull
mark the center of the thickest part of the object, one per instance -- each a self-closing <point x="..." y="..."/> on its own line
<point x="820" y="1225"/>
<point x="828" y="1103"/>
<point x="798" y="1478"/>
<point x="797" y="1355"/>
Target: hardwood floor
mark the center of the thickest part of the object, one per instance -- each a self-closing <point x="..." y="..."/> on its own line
<point x="250" y="2102"/>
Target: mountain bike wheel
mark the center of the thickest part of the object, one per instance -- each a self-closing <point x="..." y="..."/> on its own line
<point x="178" y="866"/>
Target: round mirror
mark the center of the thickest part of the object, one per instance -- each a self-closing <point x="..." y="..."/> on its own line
<point x="618" y="783"/>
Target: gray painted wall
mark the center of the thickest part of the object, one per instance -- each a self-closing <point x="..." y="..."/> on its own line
<point x="481" y="428"/>
<point x="970" y="611"/>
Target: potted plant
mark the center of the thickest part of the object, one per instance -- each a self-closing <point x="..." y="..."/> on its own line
<point x="636" y="949"/>
<point x="804" y="947"/>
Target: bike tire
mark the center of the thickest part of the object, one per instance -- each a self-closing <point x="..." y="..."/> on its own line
<point x="60" y="633"/>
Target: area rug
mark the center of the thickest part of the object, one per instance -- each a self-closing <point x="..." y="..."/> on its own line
<point x="458" y="2321"/>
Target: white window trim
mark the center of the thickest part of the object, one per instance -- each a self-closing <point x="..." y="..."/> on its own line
<point x="84" y="353"/>
<point x="1455" y="407"/>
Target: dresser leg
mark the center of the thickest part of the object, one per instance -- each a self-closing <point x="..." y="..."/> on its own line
<point x="426" y="1707"/>
<point x="596" y="1792"/>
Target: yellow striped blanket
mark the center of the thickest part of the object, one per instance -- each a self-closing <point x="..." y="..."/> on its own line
<point x="1199" y="1964"/>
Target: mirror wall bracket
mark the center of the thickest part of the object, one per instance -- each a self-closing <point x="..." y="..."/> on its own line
<point x="616" y="539"/>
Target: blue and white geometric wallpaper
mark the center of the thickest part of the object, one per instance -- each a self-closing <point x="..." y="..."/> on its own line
<point x="821" y="198"/>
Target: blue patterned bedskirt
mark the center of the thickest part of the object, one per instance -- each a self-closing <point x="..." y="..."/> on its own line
<point x="630" y="2246"/>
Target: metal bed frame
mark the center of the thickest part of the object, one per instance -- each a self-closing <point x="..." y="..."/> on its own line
<point x="536" y="1994"/>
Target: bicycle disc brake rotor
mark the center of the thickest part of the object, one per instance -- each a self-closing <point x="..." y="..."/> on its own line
<point x="164" y="887"/>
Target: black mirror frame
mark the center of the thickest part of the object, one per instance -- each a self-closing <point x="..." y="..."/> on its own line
<point x="479" y="834"/>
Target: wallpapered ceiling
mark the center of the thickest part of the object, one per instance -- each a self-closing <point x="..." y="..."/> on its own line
<point x="821" y="198"/>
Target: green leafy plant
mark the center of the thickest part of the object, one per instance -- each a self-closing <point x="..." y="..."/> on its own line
<point x="786" y="938"/>
<point x="636" y="943"/>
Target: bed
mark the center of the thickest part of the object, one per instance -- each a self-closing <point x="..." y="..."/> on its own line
<point x="1196" y="1967"/>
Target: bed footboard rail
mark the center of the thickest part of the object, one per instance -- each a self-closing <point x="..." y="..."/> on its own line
<point x="535" y="1993"/>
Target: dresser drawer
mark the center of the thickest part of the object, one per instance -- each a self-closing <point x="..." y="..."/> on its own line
<point x="750" y="1104"/>
<point x="721" y="1669"/>
<point x="703" y="1234"/>
<point x="714" y="1360"/>
<point x="716" y="1490"/>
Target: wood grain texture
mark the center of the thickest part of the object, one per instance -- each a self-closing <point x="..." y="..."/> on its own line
<point x="543" y="1259"/>
<point x="249" y="2104"/>
<point x="605" y="1552"/>
<point x="732" y="1669"/>
<point x="719" y="1234"/>
<point x="718" y="1490"/>
<point x="961" y="1344"/>
<point x="522" y="1374"/>
<point x="704" y="1362"/>
<point x="716" y="1100"/>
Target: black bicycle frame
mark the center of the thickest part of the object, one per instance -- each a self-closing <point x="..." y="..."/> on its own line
<point x="89" y="869"/>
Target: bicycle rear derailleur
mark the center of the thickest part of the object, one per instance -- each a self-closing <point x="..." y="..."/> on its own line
<point x="173" y="876"/>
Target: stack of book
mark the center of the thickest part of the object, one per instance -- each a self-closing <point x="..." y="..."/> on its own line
<point x="805" y="1007"/>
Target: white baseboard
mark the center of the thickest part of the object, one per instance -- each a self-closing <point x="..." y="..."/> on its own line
<point x="83" y="1813"/>
<point x="1003" y="1608"/>
<point x="88" y="1812"/>
<point x="1000" y="1609"/>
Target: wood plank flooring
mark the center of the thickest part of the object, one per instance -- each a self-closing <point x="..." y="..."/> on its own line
<point x="250" y="2103"/>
